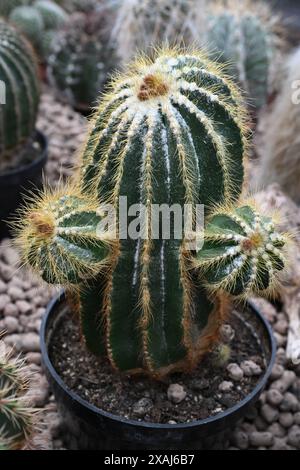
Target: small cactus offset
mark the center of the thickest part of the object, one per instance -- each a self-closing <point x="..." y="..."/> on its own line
<point x="17" y="418"/>
<point x="171" y="131"/>
<point x="29" y="22"/>
<point x="242" y="252"/>
<point x="80" y="59"/>
<point x="18" y="73"/>
<point x="241" y="34"/>
<point x="53" y="15"/>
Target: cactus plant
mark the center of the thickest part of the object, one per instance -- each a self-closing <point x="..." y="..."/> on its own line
<point x="141" y="24"/>
<point x="80" y="59"/>
<point x="6" y="6"/>
<point x="37" y="20"/>
<point x="242" y="35"/>
<point x="18" y="73"/>
<point x="17" y="418"/>
<point x="171" y="131"/>
<point x="279" y="145"/>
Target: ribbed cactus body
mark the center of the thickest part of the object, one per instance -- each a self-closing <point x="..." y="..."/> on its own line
<point x="30" y="22"/>
<point x="170" y="132"/>
<point x="80" y="60"/>
<point x="18" y="73"/>
<point x="244" y="42"/>
<point x="6" y="6"/>
<point x="16" y="417"/>
<point x="53" y="15"/>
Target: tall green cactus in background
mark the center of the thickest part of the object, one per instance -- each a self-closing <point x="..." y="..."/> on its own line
<point x="171" y="131"/>
<point x="81" y="60"/>
<point x="241" y="34"/>
<point x="6" y="6"/>
<point x="17" y="419"/>
<point x="141" y="24"/>
<point x="18" y="74"/>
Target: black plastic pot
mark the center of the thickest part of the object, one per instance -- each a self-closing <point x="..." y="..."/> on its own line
<point x="90" y="428"/>
<point x="16" y="183"/>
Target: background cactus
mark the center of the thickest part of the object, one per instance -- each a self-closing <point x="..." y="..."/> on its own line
<point x="170" y="131"/>
<point x="242" y="35"/>
<point x="141" y="24"/>
<point x="36" y="20"/>
<point x="18" y="72"/>
<point x="6" y="6"/>
<point x="80" y="59"/>
<point x="279" y="144"/>
<point x="17" y="419"/>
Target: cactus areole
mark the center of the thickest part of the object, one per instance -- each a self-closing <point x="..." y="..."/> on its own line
<point x="171" y="131"/>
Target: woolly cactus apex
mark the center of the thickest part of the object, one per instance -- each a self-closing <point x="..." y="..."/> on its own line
<point x="242" y="254"/>
<point x="18" y="71"/>
<point x="61" y="235"/>
<point x="241" y="34"/>
<point x="53" y="15"/>
<point x="17" y="419"/>
<point x="80" y="59"/>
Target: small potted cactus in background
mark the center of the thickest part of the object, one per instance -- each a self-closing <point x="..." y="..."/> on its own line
<point x="23" y="150"/>
<point x="17" y="419"/>
<point x="169" y="132"/>
<point x="81" y="59"/>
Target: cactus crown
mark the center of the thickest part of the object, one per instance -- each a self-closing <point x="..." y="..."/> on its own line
<point x="18" y="74"/>
<point x="17" y="419"/>
<point x="170" y="131"/>
<point x="242" y="35"/>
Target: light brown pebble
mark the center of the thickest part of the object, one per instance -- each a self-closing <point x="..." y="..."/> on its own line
<point x="285" y="382"/>
<point x="176" y="393"/>
<point x="34" y="358"/>
<point x="294" y="437"/>
<point x="16" y="293"/>
<point x="225" y="386"/>
<point x="24" y="307"/>
<point x="260" y="424"/>
<point x="235" y="372"/>
<point x="289" y="403"/>
<point x="10" y="310"/>
<point x="4" y="300"/>
<point x="3" y="287"/>
<point x="297" y="418"/>
<point x="11" y="324"/>
<point x="241" y="440"/>
<point x="269" y="413"/>
<point x="30" y="342"/>
<point x="250" y="368"/>
<point x="6" y="272"/>
<point x="286" y="419"/>
<point x="280" y="444"/>
<point x="258" y="439"/>
<point x="274" y="397"/>
<point x="277" y="372"/>
<point x="277" y="430"/>
<point x="281" y="327"/>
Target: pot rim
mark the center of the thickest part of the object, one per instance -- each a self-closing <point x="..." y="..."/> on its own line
<point x="42" y="139"/>
<point x="98" y="411"/>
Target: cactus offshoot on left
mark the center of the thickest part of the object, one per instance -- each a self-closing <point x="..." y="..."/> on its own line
<point x="170" y="131"/>
<point x="17" y="418"/>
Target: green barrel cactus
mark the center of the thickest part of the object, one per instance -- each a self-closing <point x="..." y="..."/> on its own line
<point x="53" y="15"/>
<point x="17" y="418"/>
<point x="18" y="74"/>
<point x="241" y="36"/>
<point x="6" y="6"/>
<point x="171" y="131"/>
<point x="30" y="22"/>
<point x="81" y="60"/>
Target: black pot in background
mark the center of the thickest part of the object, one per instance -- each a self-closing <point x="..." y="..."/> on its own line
<point x="14" y="184"/>
<point x="90" y="428"/>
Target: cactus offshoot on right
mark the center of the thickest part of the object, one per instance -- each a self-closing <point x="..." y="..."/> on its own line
<point x="170" y="131"/>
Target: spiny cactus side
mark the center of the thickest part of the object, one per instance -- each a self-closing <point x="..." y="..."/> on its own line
<point x="81" y="60"/>
<point x="18" y="74"/>
<point x="171" y="131"/>
<point x="242" y="35"/>
<point x="17" y="418"/>
<point x="279" y="144"/>
<point x="141" y="24"/>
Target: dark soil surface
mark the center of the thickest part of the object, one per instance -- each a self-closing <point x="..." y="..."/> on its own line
<point x="142" y="399"/>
